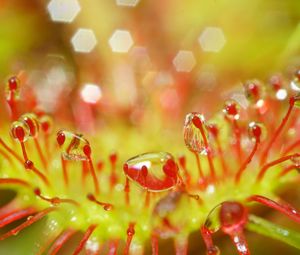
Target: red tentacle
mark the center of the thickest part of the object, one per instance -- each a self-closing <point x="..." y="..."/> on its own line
<point x="286" y="209"/>
<point x="15" y="215"/>
<point x="85" y="238"/>
<point x="27" y="223"/>
<point x="60" y="241"/>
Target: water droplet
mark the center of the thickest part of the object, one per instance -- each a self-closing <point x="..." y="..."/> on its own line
<point x="19" y="131"/>
<point x="231" y="110"/>
<point x="212" y="222"/>
<point x="192" y="134"/>
<point x="12" y="89"/>
<point x="253" y="90"/>
<point x="296" y="161"/>
<point x="297" y="100"/>
<point x="46" y="122"/>
<point x="31" y="120"/>
<point x="107" y="207"/>
<point x="295" y="83"/>
<point x="257" y="131"/>
<point x="154" y="171"/>
<point x="233" y="216"/>
<point x="213" y="250"/>
<point x="276" y="82"/>
<point x="72" y="145"/>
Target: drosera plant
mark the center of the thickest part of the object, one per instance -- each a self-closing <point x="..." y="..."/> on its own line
<point x="245" y="151"/>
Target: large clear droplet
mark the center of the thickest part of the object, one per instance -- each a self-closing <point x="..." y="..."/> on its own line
<point x="192" y="134"/>
<point x="233" y="216"/>
<point x="212" y="222"/>
<point x="154" y="171"/>
<point x="73" y="146"/>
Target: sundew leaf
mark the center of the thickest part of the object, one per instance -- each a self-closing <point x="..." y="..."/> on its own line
<point x="264" y="227"/>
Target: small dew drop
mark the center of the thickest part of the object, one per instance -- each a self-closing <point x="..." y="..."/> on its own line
<point x="192" y="134"/>
<point x="19" y="131"/>
<point x="12" y="89"/>
<point x="296" y="161"/>
<point x="253" y="90"/>
<point x="295" y="83"/>
<point x="213" y="250"/>
<point x="232" y="110"/>
<point x="257" y="131"/>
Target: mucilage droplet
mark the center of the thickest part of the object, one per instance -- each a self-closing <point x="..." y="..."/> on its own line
<point x="192" y="134"/>
<point x="31" y="120"/>
<point x="253" y="90"/>
<point x="72" y="145"/>
<point x="12" y="90"/>
<point x="20" y="131"/>
<point x="257" y="131"/>
<point x="46" y="123"/>
<point x="231" y="110"/>
<point x="154" y="171"/>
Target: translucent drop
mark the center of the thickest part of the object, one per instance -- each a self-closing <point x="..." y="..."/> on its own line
<point x="154" y="171"/>
<point x="212" y="222"/>
<point x="295" y="83"/>
<point x="257" y="131"/>
<point x="233" y="216"/>
<point x="12" y="88"/>
<point x="31" y="120"/>
<point x="231" y="110"/>
<point x="297" y="100"/>
<point x="73" y="146"/>
<point x="46" y="123"/>
<point x="253" y="90"/>
<point x="192" y="134"/>
<point x="19" y="131"/>
<point x="296" y="161"/>
<point x="213" y="250"/>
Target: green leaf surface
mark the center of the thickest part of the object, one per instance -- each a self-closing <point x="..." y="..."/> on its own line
<point x="264" y="227"/>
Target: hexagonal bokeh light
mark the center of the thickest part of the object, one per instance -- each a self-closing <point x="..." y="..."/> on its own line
<point x="120" y="41"/>
<point x="63" y="10"/>
<point x="184" y="61"/>
<point x="84" y="40"/>
<point x="127" y="3"/>
<point x="212" y="39"/>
